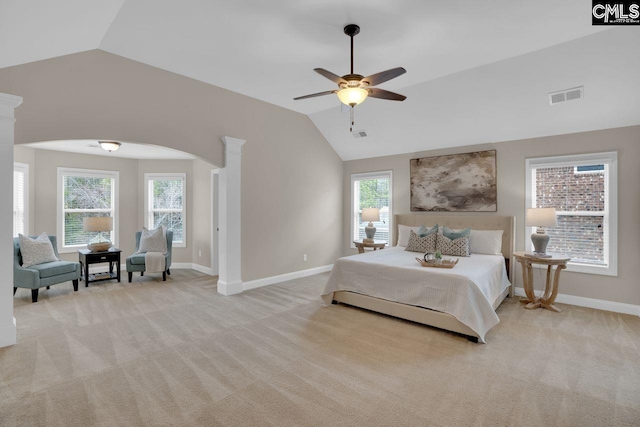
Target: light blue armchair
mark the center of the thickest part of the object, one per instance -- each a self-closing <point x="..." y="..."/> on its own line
<point x="136" y="262"/>
<point x="41" y="275"/>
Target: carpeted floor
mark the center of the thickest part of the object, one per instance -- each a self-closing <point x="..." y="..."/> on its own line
<point x="176" y="353"/>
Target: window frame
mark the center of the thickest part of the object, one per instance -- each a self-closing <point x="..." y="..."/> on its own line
<point x="89" y="173"/>
<point x="610" y="213"/>
<point x="24" y="169"/>
<point x="365" y="176"/>
<point x="147" y="212"/>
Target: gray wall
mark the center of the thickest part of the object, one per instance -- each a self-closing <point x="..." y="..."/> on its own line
<point x="291" y="179"/>
<point x="511" y="198"/>
<point x="201" y="213"/>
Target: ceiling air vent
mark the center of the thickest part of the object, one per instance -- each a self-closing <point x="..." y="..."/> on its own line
<point x="566" y="95"/>
<point x="359" y="134"/>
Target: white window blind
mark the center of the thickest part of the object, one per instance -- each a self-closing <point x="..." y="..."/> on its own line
<point x="20" y="199"/>
<point x="583" y="190"/>
<point x="84" y="193"/>
<point x="165" y="204"/>
<point x="371" y="190"/>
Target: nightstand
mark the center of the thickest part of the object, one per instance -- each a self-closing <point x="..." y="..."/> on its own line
<point x="551" y="287"/>
<point x="112" y="256"/>
<point x="376" y="244"/>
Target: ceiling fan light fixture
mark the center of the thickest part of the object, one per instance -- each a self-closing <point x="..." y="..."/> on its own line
<point x="109" y="145"/>
<point x="352" y="96"/>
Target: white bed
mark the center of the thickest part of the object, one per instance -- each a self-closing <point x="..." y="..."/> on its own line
<point x="462" y="299"/>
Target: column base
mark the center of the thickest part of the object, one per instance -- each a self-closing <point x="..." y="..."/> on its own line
<point x="231" y="288"/>
<point x="8" y="334"/>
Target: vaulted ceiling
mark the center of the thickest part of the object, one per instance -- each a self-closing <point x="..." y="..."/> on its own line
<point x="476" y="71"/>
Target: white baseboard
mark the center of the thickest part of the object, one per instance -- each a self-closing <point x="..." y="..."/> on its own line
<point x="202" y="269"/>
<point x="616" y="307"/>
<point x="252" y="284"/>
<point x="174" y="266"/>
<point x="8" y="334"/>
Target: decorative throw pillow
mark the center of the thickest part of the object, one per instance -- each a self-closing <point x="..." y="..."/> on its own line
<point x="403" y="234"/>
<point x="421" y="244"/>
<point x="152" y="241"/>
<point x="456" y="234"/>
<point x="425" y="231"/>
<point x="455" y="247"/>
<point x="36" y="251"/>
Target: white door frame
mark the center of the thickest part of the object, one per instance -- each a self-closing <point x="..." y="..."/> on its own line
<point x="215" y="245"/>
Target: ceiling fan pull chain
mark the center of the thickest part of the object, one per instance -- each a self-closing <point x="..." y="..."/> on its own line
<point x="352" y="120"/>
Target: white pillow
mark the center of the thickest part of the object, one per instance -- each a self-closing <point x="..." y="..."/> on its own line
<point x="403" y="234"/>
<point x="36" y="251"/>
<point x="486" y="242"/>
<point x="153" y="241"/>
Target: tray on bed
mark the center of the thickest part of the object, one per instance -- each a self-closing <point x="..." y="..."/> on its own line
<point x="446" y="263"/>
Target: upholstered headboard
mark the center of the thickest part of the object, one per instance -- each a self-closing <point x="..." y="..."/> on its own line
<point x="475" y="222"/>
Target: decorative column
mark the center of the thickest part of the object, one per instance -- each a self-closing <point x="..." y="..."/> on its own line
<point x="229" y="218"/>
<point x="8" y="103"/>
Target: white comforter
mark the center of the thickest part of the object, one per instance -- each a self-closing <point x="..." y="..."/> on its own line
<point x="467" y="291"/>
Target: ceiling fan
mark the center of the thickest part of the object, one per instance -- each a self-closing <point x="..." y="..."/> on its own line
<point x="353" y="89"/>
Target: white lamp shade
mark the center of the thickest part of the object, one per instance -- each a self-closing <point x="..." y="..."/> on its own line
<point x="541" y="217"/>
<point x="97" y="223"/>
<point x="352" y="95"/>
<point x="371" y="214"/>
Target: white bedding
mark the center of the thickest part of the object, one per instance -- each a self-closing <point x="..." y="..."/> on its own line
<point x="467" y="291"/>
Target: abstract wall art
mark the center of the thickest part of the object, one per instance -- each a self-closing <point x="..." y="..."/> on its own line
<point x="455" y="183"/>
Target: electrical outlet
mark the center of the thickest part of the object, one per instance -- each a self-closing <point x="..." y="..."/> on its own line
<point x="200" y="254"/>
<point x="304" y="257"/>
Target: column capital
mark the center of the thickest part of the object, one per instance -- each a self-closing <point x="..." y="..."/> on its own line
<point x="233" y="145"/>
<point x="12" y="101"/>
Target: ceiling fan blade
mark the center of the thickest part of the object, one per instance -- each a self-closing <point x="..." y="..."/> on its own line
<point x="385" y="94"/>
<point x="376" y="79"/>
<point x="328" y="74"/>
<point x="313" y="95"/>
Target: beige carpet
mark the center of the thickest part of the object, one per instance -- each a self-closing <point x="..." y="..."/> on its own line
<point x="176" y="353"/>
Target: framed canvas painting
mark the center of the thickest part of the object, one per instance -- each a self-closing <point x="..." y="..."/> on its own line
<point x="455" y="183"/>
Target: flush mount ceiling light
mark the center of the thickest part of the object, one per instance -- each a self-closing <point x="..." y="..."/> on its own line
<point x="353" y="89"/>
<point x="109" y="145"/>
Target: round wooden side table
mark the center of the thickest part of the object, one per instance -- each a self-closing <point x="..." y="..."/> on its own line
<point x="551" y="287"/>
<point x="376" y="244"/>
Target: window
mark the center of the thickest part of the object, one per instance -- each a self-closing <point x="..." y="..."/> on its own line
<point x="84" y="193"/>
<point x="583" y="189"/>
<point x="371" y="190"/>
<point x="165" y="204"/>
<point x="20" y="199"/>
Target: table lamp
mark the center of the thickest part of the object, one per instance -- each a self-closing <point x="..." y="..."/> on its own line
<point x="540" y="218"/>
<point x="99" y="224"/>
<point x="370" y="214"/>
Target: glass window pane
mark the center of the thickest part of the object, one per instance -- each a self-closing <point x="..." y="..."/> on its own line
<point x="564" y="189"/>
<point x="170" y="220"/>
<point x="167" y="194"/>
<point x="87" y="192"/>
<point x="580" y="236"/>
<point x="73" y="233"/>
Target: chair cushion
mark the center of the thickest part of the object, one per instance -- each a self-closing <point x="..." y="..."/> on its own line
<point x="56" y="268"/>
<point x="137" y="259"/>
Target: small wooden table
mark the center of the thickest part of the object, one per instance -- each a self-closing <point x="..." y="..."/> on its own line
<point x="112" y="256"/>
<point x="551" y="287"/>
<point x="376" y="244"/>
